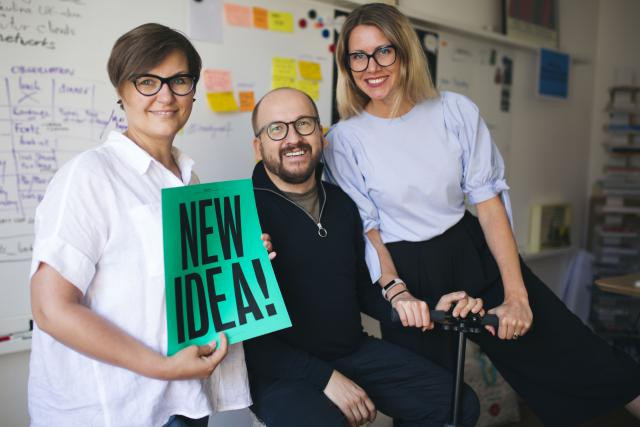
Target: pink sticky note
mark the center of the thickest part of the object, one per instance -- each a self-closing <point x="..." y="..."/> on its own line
<point x="217" y="80"/>
<point x="236" y="15"/>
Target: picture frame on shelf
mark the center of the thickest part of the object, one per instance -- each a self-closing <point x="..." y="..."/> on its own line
<point x="550" y="227"/>
<point x="532" y="21"/>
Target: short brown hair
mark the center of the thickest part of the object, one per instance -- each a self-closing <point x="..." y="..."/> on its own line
<point x="414" y="77"/>
<point x="146" y="46"/>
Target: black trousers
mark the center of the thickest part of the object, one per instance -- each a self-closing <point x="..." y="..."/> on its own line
<point x="564" y="372"/>
<point x="401" y="384"/>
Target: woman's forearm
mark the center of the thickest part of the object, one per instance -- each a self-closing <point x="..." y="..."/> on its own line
<point x="387" y="267"/>
<point x="58" y="311"/>
<point x="497" y="231"/>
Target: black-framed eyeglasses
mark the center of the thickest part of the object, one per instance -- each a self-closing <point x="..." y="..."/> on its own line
<point x="383" y="55"/>
<point x="278" y="131"/>
<point x="150" y="84"/>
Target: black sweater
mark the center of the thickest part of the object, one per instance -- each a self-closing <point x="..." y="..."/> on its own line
<point x="324" y="282"/>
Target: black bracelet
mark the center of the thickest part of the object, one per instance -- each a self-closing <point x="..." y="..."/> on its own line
<point x="391" y="283"/>
<point x="401" y="292"/>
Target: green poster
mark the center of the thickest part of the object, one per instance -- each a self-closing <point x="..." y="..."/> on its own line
<point x="218" y="276"/>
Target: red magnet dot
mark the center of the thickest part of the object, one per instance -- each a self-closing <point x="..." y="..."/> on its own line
<point x="302" y="23"/>
<point x="332" y="48"/>
<point x="494" y="409"/>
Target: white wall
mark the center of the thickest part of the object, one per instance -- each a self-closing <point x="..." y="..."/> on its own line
<point x="14" y="368"/>
<point x="549" y="154"/>
<point x="616" y="48"/>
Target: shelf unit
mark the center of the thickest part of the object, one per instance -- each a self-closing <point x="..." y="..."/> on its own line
<point x="424" y="19"/>
<point x="615" y="220"/>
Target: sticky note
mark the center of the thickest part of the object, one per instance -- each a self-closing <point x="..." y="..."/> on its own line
<point x="281" y="21"/>
<point x="236" y="15"/>
<point x="246" y="100"/>
<point x="222" y="102"/>
<point x="310" y="70"/>
<point x="217" y="80"/>
<point x="279" y="81"/>
<point x="283" y="67"/>
<point x="310" y="87"/>
<point x="205" y="21"/>
<point x="261" y="18"/>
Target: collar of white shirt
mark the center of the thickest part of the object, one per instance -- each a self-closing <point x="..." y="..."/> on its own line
<point x="140" y="160"/>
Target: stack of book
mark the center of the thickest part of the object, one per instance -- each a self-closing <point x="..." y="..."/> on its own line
<point x="616" y="235"/>
<point x="615" y="222"/>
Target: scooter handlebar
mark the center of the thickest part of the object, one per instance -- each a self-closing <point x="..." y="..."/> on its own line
<point x="442" y="317"/>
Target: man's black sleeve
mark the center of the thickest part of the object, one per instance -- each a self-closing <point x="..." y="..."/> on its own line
<point x="269" y="356"/>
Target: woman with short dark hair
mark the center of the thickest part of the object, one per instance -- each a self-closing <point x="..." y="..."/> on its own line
<point x="409" y="156"/>
<point x="97" y="281"/>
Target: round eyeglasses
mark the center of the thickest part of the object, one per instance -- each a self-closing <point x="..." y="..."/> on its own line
<point x="150" y="84"/>
<point x="278" y="131"/>
<point x="383" y="55"/>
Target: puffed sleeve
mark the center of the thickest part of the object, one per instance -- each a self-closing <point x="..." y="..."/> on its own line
<point x="482" y="164"/>
<point x="341" y="168"/>
<point x="70" y="230"/>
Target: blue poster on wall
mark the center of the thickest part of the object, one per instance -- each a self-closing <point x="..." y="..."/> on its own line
<point x="553" y="73"/>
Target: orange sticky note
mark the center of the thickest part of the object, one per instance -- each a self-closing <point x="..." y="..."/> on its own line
<point x="222" y="102"/>
<point x="246" y="100"/>
<point x="217" y="80"/>
<point x="281" y="21"/>
<point x="236" y="15"/>
<point x="261" y="18"/>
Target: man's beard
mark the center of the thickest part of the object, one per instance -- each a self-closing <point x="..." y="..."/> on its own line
<point x="274" y="165"/>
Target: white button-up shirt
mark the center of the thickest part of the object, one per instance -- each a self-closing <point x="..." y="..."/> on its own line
<point x="100" y="226"/>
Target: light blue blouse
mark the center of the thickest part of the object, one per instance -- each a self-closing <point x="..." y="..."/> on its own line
<point x="409" y="175"/>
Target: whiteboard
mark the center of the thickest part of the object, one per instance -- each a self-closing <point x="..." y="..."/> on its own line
<point x="56" y="101"/>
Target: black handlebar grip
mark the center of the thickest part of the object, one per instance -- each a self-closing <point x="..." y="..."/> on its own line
<point x="437" y="316"/>
<point x="490" y="320"/>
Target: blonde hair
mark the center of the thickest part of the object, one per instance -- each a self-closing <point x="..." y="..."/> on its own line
<point x="414" y="79"/>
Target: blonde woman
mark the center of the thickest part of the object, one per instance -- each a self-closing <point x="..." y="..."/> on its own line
<point x="408" y="156"/>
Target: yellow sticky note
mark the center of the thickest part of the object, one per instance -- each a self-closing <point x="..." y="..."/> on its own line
<point x="281" y="21"/>
<point x="236" y="15"/>
<point x="222" y="102"/>
<point x="246" y="100"/>
<point x="261" y="18"/>
<point x="284" y="67"/>
<point x="280" y="81"/>
<point x="310" y="87"/>
<point x="310" y="70"/>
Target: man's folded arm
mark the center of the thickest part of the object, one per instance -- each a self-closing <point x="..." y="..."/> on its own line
<point x="270" y="356"/>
